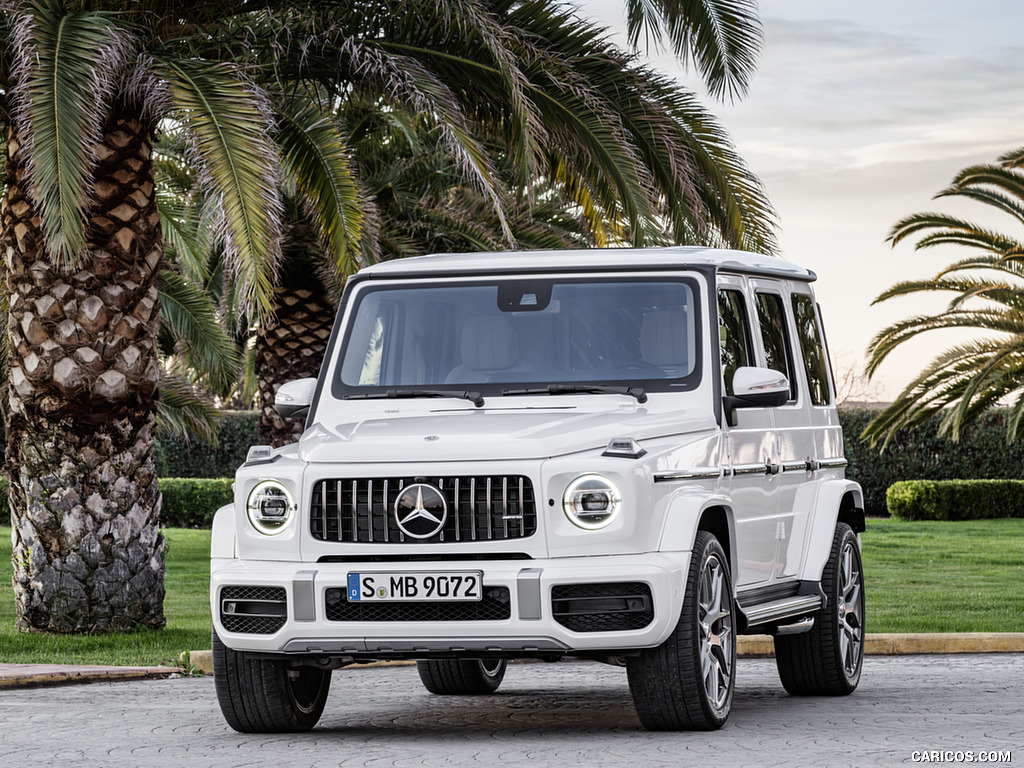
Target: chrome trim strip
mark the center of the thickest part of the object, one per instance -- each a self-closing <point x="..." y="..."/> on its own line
<point x="795" y="466"/>
<point x="751" y="469"/>
<point x="697" y="473"/>
<point x="835" y="463"/>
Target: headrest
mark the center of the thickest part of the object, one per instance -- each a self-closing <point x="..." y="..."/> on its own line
<point x="489" y="343"/>
<point x="663" y="338"/>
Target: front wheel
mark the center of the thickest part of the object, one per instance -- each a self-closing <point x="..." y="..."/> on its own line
<point x="267" y="695"/>
<point x="827" y="660"/>
<point x="687" y="682"/>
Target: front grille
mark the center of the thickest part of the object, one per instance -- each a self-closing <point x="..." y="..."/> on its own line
<point x="611" y="607"/>
<point x="487" y="508"/>
<point x="253" y="610"/>
<point x="496" y="605"/>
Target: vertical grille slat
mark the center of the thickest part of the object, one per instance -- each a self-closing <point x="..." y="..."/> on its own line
<point x="458" y="520"/>
<point x="490" y="511"/>
<point x="355" y="514"/>
<point x="480" y="508"/>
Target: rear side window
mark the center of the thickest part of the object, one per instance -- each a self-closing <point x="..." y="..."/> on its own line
<point x="734" y="333"/>
<point x="815" y="362"/>
<point x="772" y="318"/>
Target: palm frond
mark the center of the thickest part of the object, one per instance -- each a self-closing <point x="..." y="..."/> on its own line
<point x="722" y="38"/>
<point x="1013" y="159"/>
<point x="191" y="319"/>
<point x="1007" y="179"/>
<point x="65" y="70"/>
<point x="946" y="230"/>
<point x="226" y="120"/>
<point x="183" y="411"/>
<point x="315" y="158"/>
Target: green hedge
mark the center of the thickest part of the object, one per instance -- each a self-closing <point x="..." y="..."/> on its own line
<point x="919" y="454"/>
<point x="178" y="457"/>
<point x="191" y="502"/>
<point x="955" y="499"/>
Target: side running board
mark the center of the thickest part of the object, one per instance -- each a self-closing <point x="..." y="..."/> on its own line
<point x="777" y="610"/>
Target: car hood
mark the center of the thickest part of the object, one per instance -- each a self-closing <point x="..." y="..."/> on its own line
<point x="490" y="434"/>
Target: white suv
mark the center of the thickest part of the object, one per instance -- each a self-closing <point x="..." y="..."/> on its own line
<point x="628" y="456"/>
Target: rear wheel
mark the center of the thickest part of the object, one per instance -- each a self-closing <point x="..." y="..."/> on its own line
<point x="827" y="660"/>
<point x="462" y="677"/>
<point x="686" y="683"/>
<point x="267" y="695"/>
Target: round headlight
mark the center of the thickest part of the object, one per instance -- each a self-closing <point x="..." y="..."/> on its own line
<point x="591" y="501"/>
<point x="270" y="507"/>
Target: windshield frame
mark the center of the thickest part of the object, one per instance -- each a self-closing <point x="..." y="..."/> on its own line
<point x="361" y="291"/>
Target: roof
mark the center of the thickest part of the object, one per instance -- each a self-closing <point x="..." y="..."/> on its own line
<point x="510" y="262"/>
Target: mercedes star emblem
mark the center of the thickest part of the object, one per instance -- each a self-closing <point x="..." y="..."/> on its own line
<point x="421" y="511"/>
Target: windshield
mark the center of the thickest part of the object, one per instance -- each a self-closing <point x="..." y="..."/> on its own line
<point x="502" y="336"/>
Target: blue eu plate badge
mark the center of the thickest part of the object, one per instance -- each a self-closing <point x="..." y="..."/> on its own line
<point x="353" y="586"/>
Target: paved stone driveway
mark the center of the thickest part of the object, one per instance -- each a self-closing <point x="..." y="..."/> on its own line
<point x="571" y="714"/>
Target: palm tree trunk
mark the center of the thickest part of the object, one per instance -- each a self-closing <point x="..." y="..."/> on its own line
<point x="83" y="372"/>
<point x="291" y="347"/>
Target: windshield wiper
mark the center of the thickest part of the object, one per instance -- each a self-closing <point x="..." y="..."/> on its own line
<point x="474" y="397"/>
<point x="597" y="389"/>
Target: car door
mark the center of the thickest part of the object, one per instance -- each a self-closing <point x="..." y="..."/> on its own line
<point x="794" y="431"/>
<point x="810" y="434"/>
<point x="749" y="443"/>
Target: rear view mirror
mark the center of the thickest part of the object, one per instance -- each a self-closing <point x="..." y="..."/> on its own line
<point x="293" y="398"/>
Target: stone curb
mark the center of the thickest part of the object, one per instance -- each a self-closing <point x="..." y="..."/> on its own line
<point x="888" y="644"/>
<point x="39" y="675"/>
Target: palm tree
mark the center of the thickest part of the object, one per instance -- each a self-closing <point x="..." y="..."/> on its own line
<point x="559" y="111"/>
<point x="84" y="93"/>
<point x="85" y="86"/>
<point x="987" y="297"/>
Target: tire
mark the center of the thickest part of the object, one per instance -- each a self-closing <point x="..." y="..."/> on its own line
<point x="687" y="682"/>
<point x="827" y="660"/>
<point x="466" y="677"/>
<point x="267" y="695"/>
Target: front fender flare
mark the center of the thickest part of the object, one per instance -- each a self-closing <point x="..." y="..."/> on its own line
<point x="222" y="537"/>
<point x="685" y="510"/>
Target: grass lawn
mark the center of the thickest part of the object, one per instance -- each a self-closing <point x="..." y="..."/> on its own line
<point x="932" y="576"/>
<point x="921" y="577"/>
<point x="186" y="606"/>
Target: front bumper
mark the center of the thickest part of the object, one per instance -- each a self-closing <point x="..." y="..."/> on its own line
<point x="542" y="608"/>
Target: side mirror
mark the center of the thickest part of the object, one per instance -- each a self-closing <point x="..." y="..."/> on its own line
<point x="755" y="388"/>
<point x="293" y="398"/>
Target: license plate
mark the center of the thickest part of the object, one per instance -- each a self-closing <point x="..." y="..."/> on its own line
<point x="415" y="587"/>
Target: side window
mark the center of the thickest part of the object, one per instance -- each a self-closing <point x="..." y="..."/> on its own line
<point x="815" y="361"/>
<point x="771" y="316"/>
<point x="734" y="334"/>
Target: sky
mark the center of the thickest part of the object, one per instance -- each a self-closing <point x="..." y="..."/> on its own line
<point x="859" y="113"/>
